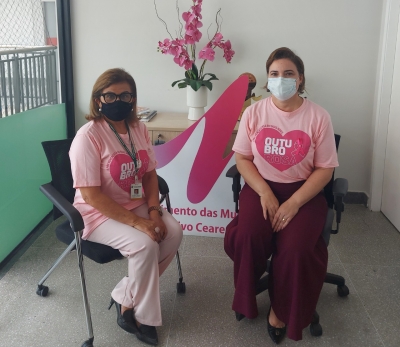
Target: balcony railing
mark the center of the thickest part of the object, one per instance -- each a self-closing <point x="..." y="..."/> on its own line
<point x="28" y="78"/>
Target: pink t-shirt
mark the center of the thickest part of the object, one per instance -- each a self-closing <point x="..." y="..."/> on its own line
<point x="287" y="146"/>
<point x="98" y="159"/>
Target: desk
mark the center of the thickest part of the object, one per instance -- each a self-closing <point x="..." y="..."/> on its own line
<point x="168" y="125"/>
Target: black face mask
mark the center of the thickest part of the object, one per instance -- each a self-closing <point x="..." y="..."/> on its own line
<point x="116" y="111"/>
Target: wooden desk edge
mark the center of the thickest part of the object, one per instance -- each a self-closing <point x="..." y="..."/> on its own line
<point x="173" y="121"/>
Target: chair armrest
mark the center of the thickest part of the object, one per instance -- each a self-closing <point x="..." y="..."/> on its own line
<point x="232" y="172"/>
<point x="340" y="187"/>
<point x="236" y="186"/>
<point x="66" y="208"/>
<point x="339" y="190"/>
<point x="162" y="186"/>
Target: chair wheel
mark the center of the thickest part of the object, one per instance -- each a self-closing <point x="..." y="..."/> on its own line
<point x="42" y="290"/>
<point x="88" y="343"/>
<point x="343" y="290"/>
<point x="316" y="329"/>
<point x="315" y="319"/>
<point x="181" y="288"/>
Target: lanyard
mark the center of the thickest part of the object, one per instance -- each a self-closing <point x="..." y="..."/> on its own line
<point x="131" y="154"/>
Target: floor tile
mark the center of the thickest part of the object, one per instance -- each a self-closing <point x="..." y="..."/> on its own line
<point x="378" y="289"/>
<point x="204" y="246"/>
<point x="367" y="237"/>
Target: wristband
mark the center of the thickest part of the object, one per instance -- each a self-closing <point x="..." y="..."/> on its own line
<point x="156" y="208"/>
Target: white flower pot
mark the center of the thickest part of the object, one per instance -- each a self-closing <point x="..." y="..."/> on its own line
<point x="196" y="102"/>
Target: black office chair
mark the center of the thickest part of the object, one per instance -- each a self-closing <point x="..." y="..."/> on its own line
<point x="335" y="192"/>
<point x="61" y="193"/>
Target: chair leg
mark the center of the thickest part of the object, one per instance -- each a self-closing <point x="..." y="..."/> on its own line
<point x="315" y="327"/>
<point x="342" y="289"/>
<point x="262" y="284"/>
<point x="87" y="343"/>
<point x="180" y="286"/>
<point x="43" y="290"/>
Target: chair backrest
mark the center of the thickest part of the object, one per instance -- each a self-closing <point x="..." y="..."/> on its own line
<point x="60" y="168"/>
<point x="328" y="190"/>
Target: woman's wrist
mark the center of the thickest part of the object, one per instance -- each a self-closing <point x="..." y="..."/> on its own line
<point x="266" y="191"/>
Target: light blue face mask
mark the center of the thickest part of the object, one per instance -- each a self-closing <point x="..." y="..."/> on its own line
<point x="282" y="88"/>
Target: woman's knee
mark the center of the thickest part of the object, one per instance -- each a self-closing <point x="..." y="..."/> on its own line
<point x="175" y="234"/>
<point x="174" y="229"/>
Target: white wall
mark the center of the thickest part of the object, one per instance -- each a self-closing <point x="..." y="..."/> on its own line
<point x="337" y="40"/>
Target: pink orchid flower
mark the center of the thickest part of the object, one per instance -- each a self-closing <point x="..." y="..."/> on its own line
<point x="164" y="46"/>
<point x="228" y="44"/>
<point x="207" y="53"/>
<point x="188" y="64"/>
<point x="192" y="36"/>
<point x="197" y="10"/>
<point x="217" y="39"/>
<point x="180" y="47"/>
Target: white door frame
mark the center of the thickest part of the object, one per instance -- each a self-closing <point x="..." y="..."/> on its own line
<point x="383" y="93"/>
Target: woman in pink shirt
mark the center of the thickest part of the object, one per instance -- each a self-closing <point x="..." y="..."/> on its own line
<point x="113" y="167"/>
<point x="285" y="151"/>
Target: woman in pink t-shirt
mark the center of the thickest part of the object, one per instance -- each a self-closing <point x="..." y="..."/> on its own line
<point x="285" y="151"/>
<point x="113" y="167"/>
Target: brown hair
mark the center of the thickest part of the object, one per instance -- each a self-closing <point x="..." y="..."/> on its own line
<point x="106" y="79"/>
<point x="286" y="53"/>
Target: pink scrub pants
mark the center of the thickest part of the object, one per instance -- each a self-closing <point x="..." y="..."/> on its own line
<point x="299" y="257"/>
<point x="147" y="260"/>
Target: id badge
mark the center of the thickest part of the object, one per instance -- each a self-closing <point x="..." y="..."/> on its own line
<point x="136" y="191"/>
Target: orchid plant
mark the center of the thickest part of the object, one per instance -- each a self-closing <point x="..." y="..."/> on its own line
<point x="183" y="48"/>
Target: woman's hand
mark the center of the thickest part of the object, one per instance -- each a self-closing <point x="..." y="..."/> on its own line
<point x="313" y="185"/>
<point x="269" y="204"/>
<point x="162" y="230"/>
<point x="148" y="227"/>
<point x="284" y="215"/>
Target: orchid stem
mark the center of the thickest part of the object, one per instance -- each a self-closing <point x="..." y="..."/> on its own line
<point x="202" y="69"/>
<point x="165" y="24"/>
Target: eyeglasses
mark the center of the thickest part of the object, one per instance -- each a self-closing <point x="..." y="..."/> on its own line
<point x="109" y="98"/>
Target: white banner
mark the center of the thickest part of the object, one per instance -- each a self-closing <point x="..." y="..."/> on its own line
<point x="194" y="167"/>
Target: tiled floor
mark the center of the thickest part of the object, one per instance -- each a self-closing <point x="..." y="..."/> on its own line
<point x="366" y="252"/>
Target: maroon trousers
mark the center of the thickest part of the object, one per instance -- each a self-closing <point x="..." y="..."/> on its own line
<point x="299" y="257"/>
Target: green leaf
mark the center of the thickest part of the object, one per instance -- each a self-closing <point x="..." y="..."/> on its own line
<point x="173" y="83"/>
<point x="195" y="72"/>
<point x="212" y="79"/>
<point x="185" y="80"/>
<point x="182" y="85"/>
<point x="195" y="84"/>
<point x="190" y="75"/>
<point x="208" y="84"/>
<point x="210" y="74"/>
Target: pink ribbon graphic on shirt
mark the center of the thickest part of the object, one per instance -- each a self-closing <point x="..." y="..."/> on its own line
<point x="282" y="151"/>
<point x="298" y="145"/>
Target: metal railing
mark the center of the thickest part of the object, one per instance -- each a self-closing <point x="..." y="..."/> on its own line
<point x="28" y="78"/>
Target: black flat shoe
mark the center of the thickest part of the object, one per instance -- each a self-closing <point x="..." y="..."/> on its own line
<point x="148" y="334"/>
<point x="126" y="320"/>
<point x="276" y="334"/>
<point x="239" y="316"/>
